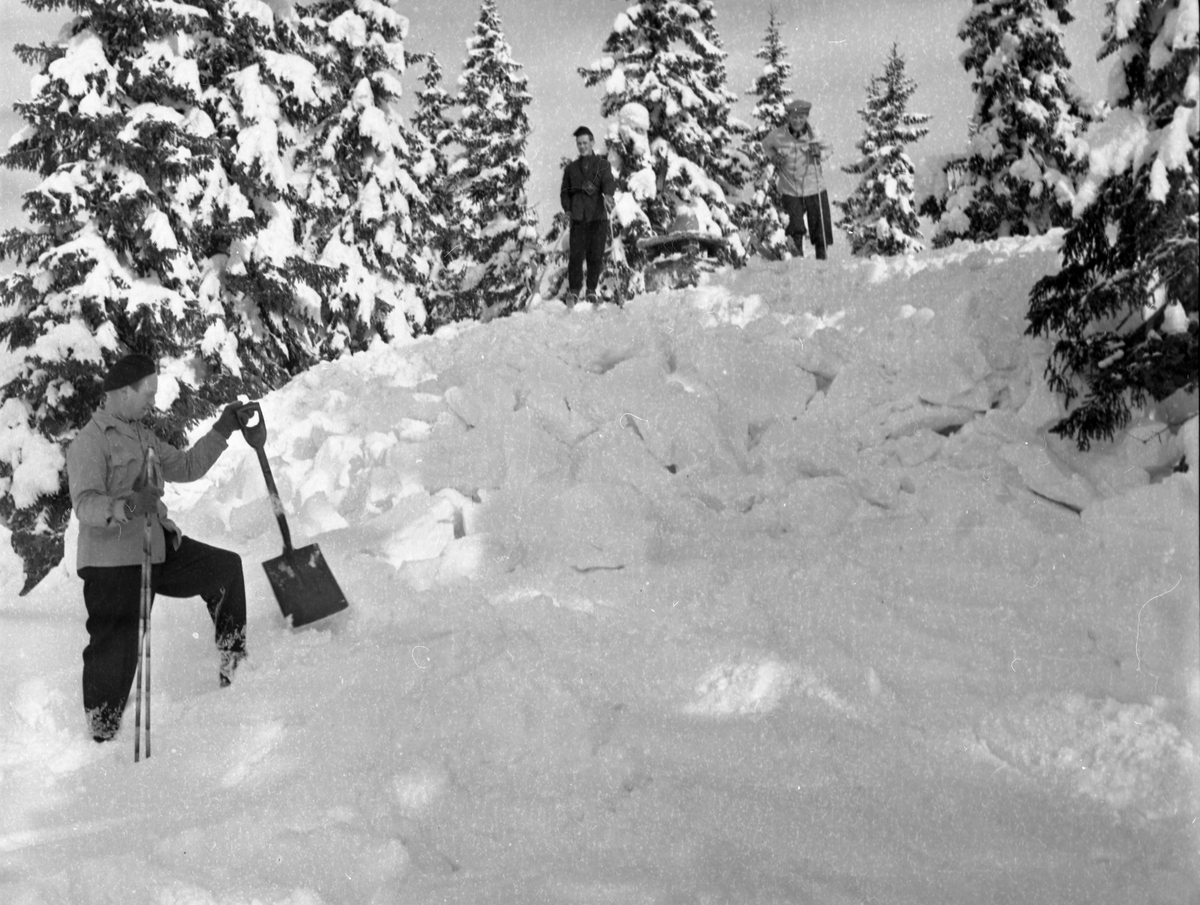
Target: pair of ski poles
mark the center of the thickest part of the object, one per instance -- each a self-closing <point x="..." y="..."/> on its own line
<point x="618" y="295"/>
<point x="149" y="477"/>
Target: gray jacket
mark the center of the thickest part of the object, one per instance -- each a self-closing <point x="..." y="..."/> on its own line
<point x="103" y="462"/>
<point x="797" y="160"/>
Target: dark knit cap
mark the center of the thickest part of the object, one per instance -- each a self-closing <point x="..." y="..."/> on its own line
<point x="583" y="130"/>
<point x="129" y="370"/>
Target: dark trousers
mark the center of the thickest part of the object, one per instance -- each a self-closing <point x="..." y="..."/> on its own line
<point x="587" y="243"/>
<point x="814" y="208"/>
<point x="112" y="596"/>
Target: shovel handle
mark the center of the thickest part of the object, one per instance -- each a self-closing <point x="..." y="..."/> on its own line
<point x="256" y="436"/>
<point x="276" y="503"/>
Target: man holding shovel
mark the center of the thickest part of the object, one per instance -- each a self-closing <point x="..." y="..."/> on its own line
<point x="117" y="505"/>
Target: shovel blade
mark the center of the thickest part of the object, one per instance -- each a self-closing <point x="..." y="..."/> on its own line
<point x="304" y="586"/>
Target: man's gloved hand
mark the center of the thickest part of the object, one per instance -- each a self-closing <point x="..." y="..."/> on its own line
<point x="138" y="503"/>
<point x="228" y="422"/>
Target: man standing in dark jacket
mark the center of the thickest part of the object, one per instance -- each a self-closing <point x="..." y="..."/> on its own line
<point x="587" y="197"/>
<point x="105" y="463"/>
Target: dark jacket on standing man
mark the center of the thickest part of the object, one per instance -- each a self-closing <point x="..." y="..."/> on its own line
<point x="585" y="184"/>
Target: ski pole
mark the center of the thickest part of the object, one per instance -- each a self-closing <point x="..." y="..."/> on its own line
<point x="150" y="475"/>
<point x="147" y="596"/>
<point x="826" y="232"/>
<point x="137" y="712"/>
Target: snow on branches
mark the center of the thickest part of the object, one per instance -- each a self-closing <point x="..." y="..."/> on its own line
<point x="1123" y="308"/>
<point x="115" y="127"/>
<point x="665" y="58"/>
<point x="1016" y="176"/>
<point x="224" y="187"/>
<point x="432" y="123"/>
<point x="880" y="217"/>
<point x="493" y="255"/>
<point x="758" y="216"/>
<point x="365" y="154"/>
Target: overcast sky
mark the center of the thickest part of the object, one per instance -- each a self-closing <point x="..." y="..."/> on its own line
<point x="835" y="47"/>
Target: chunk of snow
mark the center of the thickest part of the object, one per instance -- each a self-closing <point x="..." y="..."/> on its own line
<point x="158" y="228"/>
<point x="259" y="102"/>
<point x="254" y="9"/>
<point x="627" y="209"/>
<point x="922" y="315"/>
<point x="36" y="462"/>
<point x="1175" y="319"/>
<point x="305" y="85"/>
<point x="635" y="117"/>
<point x="84" y="58"/>
<point x="740" y="688"/>
<point x="349" y="28"/>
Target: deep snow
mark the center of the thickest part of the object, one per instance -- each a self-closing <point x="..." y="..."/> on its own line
<point x="771" y="591"/>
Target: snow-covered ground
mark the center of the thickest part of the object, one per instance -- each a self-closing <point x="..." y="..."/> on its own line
<point x="771" y="591"/>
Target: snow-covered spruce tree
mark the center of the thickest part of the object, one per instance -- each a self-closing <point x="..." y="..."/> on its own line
<point x="758" y="216"/>
<point x="362" y="199"/>
<point x="1016" y="178"/>
<point x="642" y="210"/>
<point x="880" y="217"/>
<point x="494" y="269"/>
<point x="1123" y="307"/>
<point x="111" y="263"/>
<point x="665" y="57"/>
<point x="431" y="120"/>
<point x="264" y="95"/>
<point x="555" y="251"/>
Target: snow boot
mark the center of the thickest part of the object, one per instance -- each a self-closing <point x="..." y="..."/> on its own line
<point x="230" y="660"/>
<point x="103" y="723"/>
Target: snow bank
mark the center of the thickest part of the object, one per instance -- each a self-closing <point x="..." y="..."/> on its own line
<point x="582" y="442"/>
<point x="792" y="542"/>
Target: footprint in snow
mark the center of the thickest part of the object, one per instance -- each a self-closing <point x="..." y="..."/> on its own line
<point x="250" y="751"/>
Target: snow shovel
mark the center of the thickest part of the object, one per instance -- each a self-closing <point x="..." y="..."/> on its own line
<point x="303" y="585"/>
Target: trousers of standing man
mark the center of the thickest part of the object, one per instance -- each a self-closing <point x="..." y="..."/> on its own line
<point x="112" y="595"/>
<point x="588" y="238"/>
<point x="797" y="154"/>
<point x="814" y="209"/>
<point x="587" y="190"/>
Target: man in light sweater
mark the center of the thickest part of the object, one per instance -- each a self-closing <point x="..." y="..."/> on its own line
<point x="106" y="474"/>
<point x="797" y="154"/>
